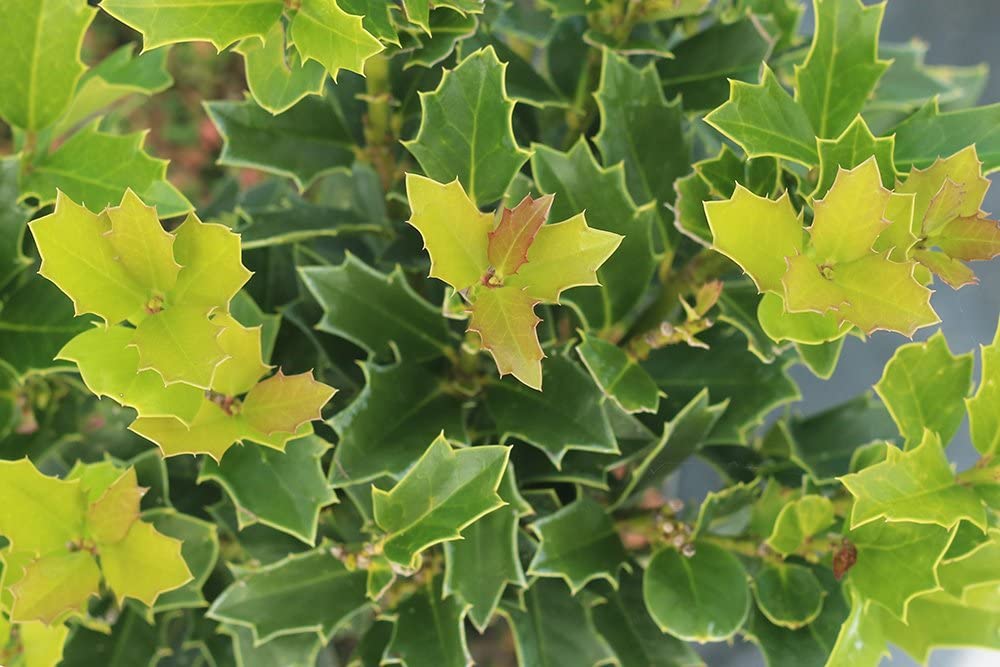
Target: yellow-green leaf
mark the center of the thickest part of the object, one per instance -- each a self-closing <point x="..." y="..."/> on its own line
<point x="39" y="513"/>
<point x="212" y="270"/>
<point x="141" y="244"/>
<point x="180" y="343"/>
<point x="283" y="403"/>
<point x="54" y="585"/>
<point x="455" y="233"/>
<point x="324" y="32"/>
<point x="849" y="219"/>
<point x="244" y="364"/>
<point x="984" y="407"/>
<point x="111" y="516"/>
<point x="144" y="564"/>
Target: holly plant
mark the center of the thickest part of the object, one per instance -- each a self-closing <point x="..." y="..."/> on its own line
<point x="408" y="358"/>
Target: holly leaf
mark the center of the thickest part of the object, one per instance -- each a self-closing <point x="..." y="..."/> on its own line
<point x="851" y="148"/>
<point x="140" y="243"/>
<point x="375" y="311"/>
<point x="169" y="21"/>
<point x="916" y="485"/>
<point x="244" y="365"/>
<point x="283" y="490"/>
<point x="924" y="386"/>
<point x="306" y="141"/>
<point x="284" y="403"/>
<point x="619" y="375"/>
<point x="505" y="320"/>
<point x="984" y="407"/>
<point x="199" y="548"/>
<point x="386" y="428"/>
<point x="277" y="79"/>
<point x="635" y="118"/>
<point x="118" y="77"/>
<point x="930" y="133"/>
<point x="842" y="67"/>
<point x="144" y="564"/>
<point x="548" y="616"/>
<point x="701" y="598"/>
<point x="789" y="595"/>
<point x="622" y="620"/>
<point x="57" y="508"/>
<point x="181" y="344"/>
<point x="54" y="584"/>
<point x="109" y="366"/>
<point x="798" y="521"/>
<point x="455" y="233"/>
<point x="564" y="255"/>
<point x="760" y="249"/>
<point x="112" y="514"/>
<point x="873" y="293"/>
<point x="98" y="168"/>
<point x="418" y="644"/>
<point x="49" y="42"/>
<point x="324" y="32"/>
<point x="480" y="121"/>
<point x="444" y="491"/>
<point x="730" y="372"/>
<point x="764" y="120"/>
<point x="42" y="644"/>
<point x="581" y="184"/>
<point x="897" y="562"/>
<point x="806" y="328"/>
<point x="570" y="396"/>
<point x="479" y="566"/>
<point x="212" y="271"/>
<point x="314" y="590"/>
<point x="79" y="259"/>
<point x="578" y="544"/>
<point x="849" y="219"/>
<point x="301" y="648"/>
<point x="514" y="234"/>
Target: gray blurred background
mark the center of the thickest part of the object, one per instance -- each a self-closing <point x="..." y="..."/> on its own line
<point x="958" y="32"/>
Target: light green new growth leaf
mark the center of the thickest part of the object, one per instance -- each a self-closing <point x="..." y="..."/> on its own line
<point x="957" y="179"/>
<point x="756" y="233"/>
<point x="515" y="232"/>
<point x="109" y="366"/>
<point x="314" y="591"/>
<point x="897" y="562"/>
<point x="96" y="169"/>
<point x="504" y="318"/>
<point x="140" y="243"/>
<point x="276" y="77"/>
<point x="56" y="508"/>
<point x="200" y="549"/>
<point x="284" y="403"/>
<point x="854" y="145"/>
<point x="220" y="22"/>
<point x="43" y="644"/>
<point x="924" y="386"/>
<point x="701" y="598"/>
<point x="849" y="219"/>
<point x="110" y="517"/>
<point x="984" y="407"/>
<point x="842" y="67"/>
<point x="798" y="521"/>
<point x="212" y="270"/>
<point x="144" y="564"/>
<point x="806" y="328"/>
<point x="78" y="257"/>
<point x="917" y="485"/>
<point x="860" y="642"/>
<point x="244" y="365"/>
<point x="564" y="255"/>
<point x="465" y="129"/>
<point x="873" y="293"/>
<point x="897" y="240"/>
<point x="764" y="120"/>
<point x="180" y="343"/>
<point x="324" y="32"/>
<point x="455" y="233"/>
<point x="444" y="492"/>
<point x="578" y="544"/>
<point x="53" y="585"/>
<point x="42" y="64"/>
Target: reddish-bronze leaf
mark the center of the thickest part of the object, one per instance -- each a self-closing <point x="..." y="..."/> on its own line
<point x="510" y="241"/>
